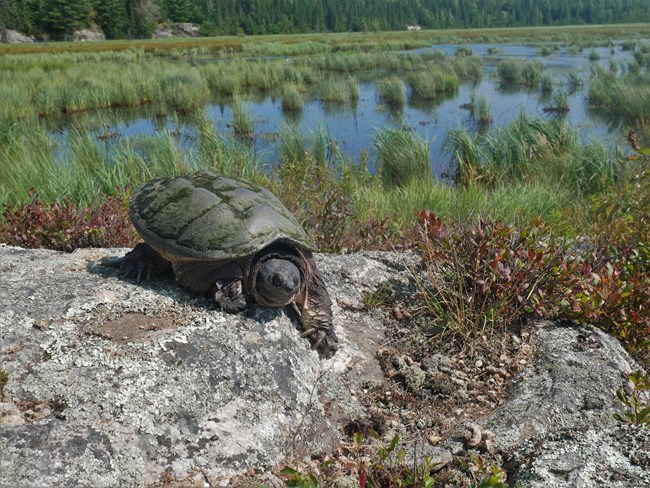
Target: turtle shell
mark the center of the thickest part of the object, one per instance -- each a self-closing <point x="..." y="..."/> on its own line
<point x="201" y="216"/>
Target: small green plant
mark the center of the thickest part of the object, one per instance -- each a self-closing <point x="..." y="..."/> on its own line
<point x="480" y="110"/>
<point x="546" y="84"/>
<point x="378" y="297"/>
<point x="559" y="103"/>
<point x="4" y="379"/>
<point x="297" y="479"/>
<point x="638" y="410"/>
<point x="574" y="82"/>
<point x="386" y="465"/>
<point x="545" y="51"/>
<point x="486" y="476"/>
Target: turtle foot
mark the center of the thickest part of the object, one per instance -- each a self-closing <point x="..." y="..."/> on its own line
<point x="323" y="341"/>
<point x="229" y="295"/>
<point x="142" y="263"/>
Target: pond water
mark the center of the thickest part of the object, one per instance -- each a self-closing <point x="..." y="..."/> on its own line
<point x="352" y="128"/>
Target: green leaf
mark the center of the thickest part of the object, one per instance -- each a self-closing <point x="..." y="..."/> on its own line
<point x="290" y="473"/>
<point x="643" y="415"/>
<point x="393" y="443"/>
<point x="358" y="439"/>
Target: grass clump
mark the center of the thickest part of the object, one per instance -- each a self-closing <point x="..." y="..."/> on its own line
<point x="391" y="92"/>
<point x="242" y="122"/>
<point x="618" y="99"/>
<point x="339" y="90"/>
<point x="480" y="110"/>
<point x="546" y="85"/>
<point x="292" y="100"/>
<point x="509" y="154"/>
<point x="428" y="84"/>
<point x="518" y="73"/>
<point x="559" y="103"/>
<point x="402" y="156"/>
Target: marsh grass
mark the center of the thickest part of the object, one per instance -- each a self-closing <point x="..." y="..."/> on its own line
<point x="518" y="73"/>
<point x="429" y="83"/>
<point x="292" y="99"/>
<point x="391" y="92"/>
<point x="546" y="85"/>
<point x="516" y="203"/>
<point x="621" y="98"/>
<point x="574" y="82"/>
<point x="480" y="110"/>
<point x="242" y="122"/>
<point x="559" y="103"/>
<point x="510" y="154"/>
<point x="339" y="90"/>
<point x="402" y="157"/>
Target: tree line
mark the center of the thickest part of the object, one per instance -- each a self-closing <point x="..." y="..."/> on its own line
<point x="57" y="19"/>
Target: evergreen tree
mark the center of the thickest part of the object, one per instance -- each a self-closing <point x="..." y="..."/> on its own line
<point x="138" y="18"/>
<point x="111" y="15"/>
<point x="62" y="17"/>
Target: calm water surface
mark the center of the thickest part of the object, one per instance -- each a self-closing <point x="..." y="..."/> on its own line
<point x="352" y="128"/>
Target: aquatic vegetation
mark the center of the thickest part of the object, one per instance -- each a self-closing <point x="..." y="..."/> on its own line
<point x="574" y="82"/>
<point x="242" y="122"/>
<point x="621" y="98"/>
<point x="428" y="84"/>
<point x="339" y="90"/>
<point x="546" y="84"/>
<point x="559" y="103"/>
<point x="402" y="157"/>
<point x="519" y="73"/>
<point x="391" y="91"/>
<point x="292" y="100"/>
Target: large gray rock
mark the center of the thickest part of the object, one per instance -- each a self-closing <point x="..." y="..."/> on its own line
<point x="177" y="29"/>
<point x="557" y="428"/>
<point x="121" y="383"/>
<point x="114" y="383"/>
<point x="88" y="35"/>
<point x="14" y="37"/>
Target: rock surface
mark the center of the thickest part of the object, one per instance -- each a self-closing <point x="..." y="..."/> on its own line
<point x="177" y="29"/>
<point x="14" y="37"/>
<point x="557" y="428"/>
<point x="84" y="35"/>
<point x="114" y="383"/>
<point x="148" y="380"/>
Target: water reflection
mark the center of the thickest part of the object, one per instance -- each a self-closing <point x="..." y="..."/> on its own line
<point x="352" y="126"/>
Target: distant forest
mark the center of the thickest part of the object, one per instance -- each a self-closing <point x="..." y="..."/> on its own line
<point x="56" y="19"/>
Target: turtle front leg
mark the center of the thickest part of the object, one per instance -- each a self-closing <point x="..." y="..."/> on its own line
<point x="316" y="316"/>
<point x="229" y="295"/>
<point x="142" y="262"/>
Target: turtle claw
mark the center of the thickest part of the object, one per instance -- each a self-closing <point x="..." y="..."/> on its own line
<point x="323" y="341"/>
<point x="309" y="332"/>
<point x="143" y="260"/>
<point x="229" y="295"/>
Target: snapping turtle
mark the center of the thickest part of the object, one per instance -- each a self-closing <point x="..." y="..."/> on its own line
<point x="233" y="241"/>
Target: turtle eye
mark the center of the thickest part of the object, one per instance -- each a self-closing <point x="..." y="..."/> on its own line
<point x="277" y="281"/>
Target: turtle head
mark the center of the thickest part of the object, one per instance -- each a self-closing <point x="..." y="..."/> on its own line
<point x="278" y="281"/>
